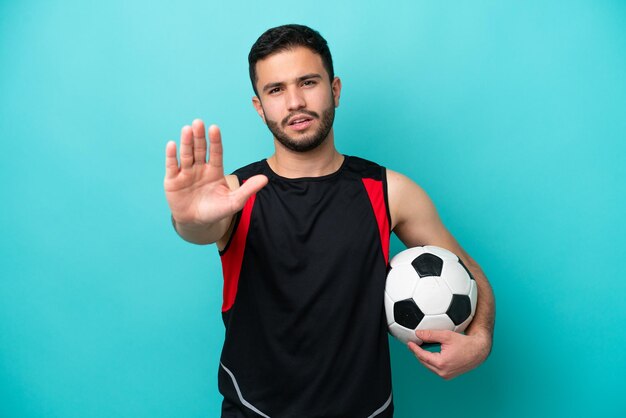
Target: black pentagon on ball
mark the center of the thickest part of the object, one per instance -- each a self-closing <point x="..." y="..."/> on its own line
<point x="428" y="264"/>
<point x="460" y="309"/>
<point x="407" y="314"/>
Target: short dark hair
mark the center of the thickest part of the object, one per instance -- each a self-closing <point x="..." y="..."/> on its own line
<point x="283" y="38"/>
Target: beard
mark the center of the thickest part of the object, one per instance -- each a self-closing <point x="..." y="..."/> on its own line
<point x="304" y="142"/>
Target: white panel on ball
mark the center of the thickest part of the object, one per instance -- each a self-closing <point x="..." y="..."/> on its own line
<point x="406" y="256"/>
<point x="441" y="252"/>
<point x="401" y="282"/>
<point x="403" y="334"/>
<point x="456" y="277"/>
<point x="436" y="322"/>
<point x="473" y="295"/>
<point x="432" y="295"/>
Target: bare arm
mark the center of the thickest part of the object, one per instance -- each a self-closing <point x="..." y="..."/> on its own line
<point x="416" y="222"/>
<point x="202" y="200"/>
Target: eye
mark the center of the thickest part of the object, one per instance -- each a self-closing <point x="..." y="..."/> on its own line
<point x="309" y="83"/>
<point x="274" y="90"/>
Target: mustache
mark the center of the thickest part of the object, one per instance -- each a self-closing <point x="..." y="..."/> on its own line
<point x="300" y="112"/>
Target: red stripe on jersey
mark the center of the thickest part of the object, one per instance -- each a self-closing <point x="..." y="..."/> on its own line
<point x="376" y="194"/>
<point x="233" y="257"/>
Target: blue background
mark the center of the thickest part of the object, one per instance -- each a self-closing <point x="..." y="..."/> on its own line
<point x="509" y="114"/>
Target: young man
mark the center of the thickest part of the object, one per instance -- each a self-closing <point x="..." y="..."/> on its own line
<point x="304" y="241"/>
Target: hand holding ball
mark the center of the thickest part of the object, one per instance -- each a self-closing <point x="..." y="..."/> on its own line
<point x="428" y="288"/>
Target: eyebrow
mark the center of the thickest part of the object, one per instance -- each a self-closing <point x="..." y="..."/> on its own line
<point x="299" y="79"/>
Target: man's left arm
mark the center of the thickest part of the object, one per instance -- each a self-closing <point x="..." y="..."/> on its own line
<point x="416" y="222"/>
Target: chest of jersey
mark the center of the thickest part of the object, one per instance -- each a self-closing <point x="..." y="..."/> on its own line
<point x="305" y="310"/>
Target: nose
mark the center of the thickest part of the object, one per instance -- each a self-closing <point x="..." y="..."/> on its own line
<point x="295" y="99"/>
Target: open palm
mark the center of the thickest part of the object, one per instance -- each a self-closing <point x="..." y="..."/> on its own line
<point x="197" y="190"/>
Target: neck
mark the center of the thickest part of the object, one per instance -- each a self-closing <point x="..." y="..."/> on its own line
<point x="320" y="161"/>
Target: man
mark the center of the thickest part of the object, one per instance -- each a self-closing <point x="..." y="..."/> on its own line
<point x="303" y="238"/>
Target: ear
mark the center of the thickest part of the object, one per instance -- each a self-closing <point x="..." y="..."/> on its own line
<point x="336" y="87"/>
<point x="256" y="102"/>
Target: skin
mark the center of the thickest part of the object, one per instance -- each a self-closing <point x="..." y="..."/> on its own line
<point x="294" y="84"/>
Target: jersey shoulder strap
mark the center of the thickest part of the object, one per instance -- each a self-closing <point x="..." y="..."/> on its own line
<point x="374" y="179"/>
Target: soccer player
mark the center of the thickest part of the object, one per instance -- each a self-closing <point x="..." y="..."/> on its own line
<point x="304" y="242"/>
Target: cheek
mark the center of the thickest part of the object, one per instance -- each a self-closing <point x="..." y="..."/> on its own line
<point x="271" y="111"/>
<point x="328" y="99"/>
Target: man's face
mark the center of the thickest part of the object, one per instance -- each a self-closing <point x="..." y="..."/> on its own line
<point x="296" y="99"/>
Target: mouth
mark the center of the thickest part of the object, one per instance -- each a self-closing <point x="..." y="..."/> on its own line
<point x="299" y="123"/>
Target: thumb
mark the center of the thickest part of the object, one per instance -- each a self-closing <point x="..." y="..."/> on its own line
<point x="247" y="189"/>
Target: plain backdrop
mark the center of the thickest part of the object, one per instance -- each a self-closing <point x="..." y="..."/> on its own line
<point x="510" y="114"/>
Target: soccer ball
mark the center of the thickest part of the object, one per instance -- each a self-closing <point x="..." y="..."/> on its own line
<point x="428" y="288"/>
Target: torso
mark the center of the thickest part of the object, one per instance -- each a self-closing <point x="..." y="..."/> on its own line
<point x="305" y="322"/>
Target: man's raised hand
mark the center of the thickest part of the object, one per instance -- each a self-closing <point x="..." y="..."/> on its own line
<point x="197" y="191"/>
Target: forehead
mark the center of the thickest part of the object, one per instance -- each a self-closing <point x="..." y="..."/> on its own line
<point x="288" y="65"/>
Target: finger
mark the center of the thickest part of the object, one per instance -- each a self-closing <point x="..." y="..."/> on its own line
<point x="215" y="150"/>
<point x="199" y="142"/>
<point x="434" y="336"/>
<point x="186" y="148"/>
<point x="171" y="163"/>
<point x="250" y="187"/>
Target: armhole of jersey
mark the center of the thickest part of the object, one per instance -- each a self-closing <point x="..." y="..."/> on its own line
<point x="386" y="195"/>
<point x="377" y="193"/>
<point x="232" y="234"/>
<point x="233" y="259"/>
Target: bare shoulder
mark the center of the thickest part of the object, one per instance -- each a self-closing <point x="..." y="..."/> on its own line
<point x="398" y="183"/>
<point x="414" y="217"/>
<point x="406" y="198"/>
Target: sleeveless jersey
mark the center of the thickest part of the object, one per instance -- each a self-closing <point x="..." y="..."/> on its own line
<point x="304" y="279"/>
